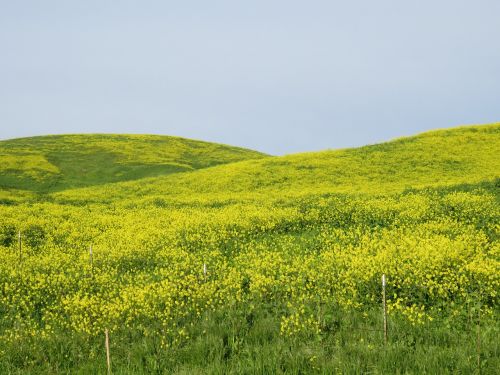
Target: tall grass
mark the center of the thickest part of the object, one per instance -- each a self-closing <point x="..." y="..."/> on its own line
<point x="231" y="342"/>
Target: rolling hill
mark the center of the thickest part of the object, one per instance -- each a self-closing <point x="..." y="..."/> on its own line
<point x="200" y="258"/>
<point x="462" y="155"/>
<point x="58" y="162"/>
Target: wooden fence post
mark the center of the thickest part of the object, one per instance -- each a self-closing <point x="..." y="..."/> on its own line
<point x="20" y="247"/>
<point x="108" y="357"/>
<point x="384" y="307"/>
<point x="91" y="261"/>
<point x="478" y="339"/>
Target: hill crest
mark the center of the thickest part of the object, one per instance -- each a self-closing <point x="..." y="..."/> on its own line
<point x="463" y="155"/>
<point x="59" y="162"/>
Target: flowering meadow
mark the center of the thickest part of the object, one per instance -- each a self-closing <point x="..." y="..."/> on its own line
<point x="271" y="265"/>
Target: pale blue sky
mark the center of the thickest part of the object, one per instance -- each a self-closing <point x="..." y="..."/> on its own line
<point x="276" y="76"/>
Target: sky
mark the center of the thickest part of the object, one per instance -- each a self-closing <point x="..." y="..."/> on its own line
<point x="278" y="76"/>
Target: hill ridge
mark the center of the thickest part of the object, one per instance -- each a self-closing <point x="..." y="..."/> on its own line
<point x="442" y="158"/>
<point x="58" y="162"/>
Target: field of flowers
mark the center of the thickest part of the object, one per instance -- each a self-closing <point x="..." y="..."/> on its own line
<point x="279" y="280"/>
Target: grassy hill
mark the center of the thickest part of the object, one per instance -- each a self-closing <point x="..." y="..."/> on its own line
<point x="269" y="265"/>
<point x="58" y="162"/>
<point x="463" y="155"/>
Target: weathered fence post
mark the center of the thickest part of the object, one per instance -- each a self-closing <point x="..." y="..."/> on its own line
<point x="91" y="261"/>
<point x="478" y="339"/>
<point x="20" y="247"/>
<point x="108" y="357"/>
<point x="384" y="307"/>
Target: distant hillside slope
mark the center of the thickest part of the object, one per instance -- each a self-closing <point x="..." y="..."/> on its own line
<point x="463" y="155"/>
<point x="52" y="163"/>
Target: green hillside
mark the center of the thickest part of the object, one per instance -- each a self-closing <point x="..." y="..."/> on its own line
<point x="463" y="155"/>
<point x="58" y="162"/>
<point x="264" y="266"/>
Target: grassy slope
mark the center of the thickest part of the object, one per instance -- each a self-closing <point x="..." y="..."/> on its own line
<point x="463" y="155"/>
<point x="53" y="163"/>
<point x="245" y="340"/>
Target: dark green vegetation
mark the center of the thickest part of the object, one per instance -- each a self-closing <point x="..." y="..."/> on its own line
<point x="294" y="249"/>
<point x="59" y="162"/>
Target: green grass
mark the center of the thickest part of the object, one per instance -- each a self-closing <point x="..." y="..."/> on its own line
<point x="236" y="342"/>
<point x="150" y="165"/>
<point x="53" y="163"/>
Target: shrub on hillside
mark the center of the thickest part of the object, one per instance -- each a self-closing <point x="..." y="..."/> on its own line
<point x="7" y="234"/>
<point x="34" y="236"/>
